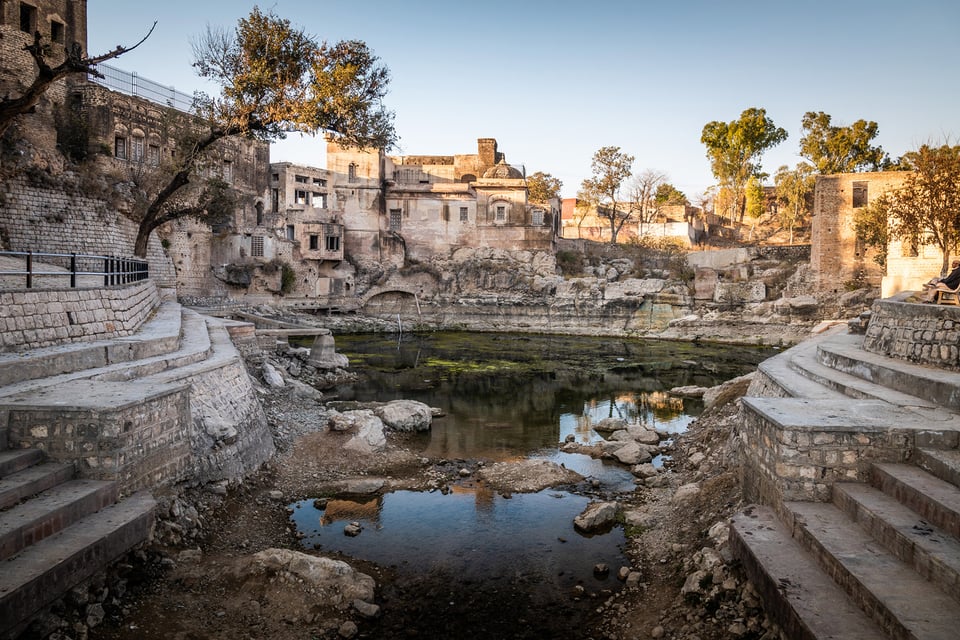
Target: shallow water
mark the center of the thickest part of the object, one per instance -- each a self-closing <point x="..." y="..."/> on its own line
<point x="509" y="397"/>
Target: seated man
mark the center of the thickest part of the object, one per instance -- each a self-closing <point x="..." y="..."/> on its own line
<point x="947" y="283"/>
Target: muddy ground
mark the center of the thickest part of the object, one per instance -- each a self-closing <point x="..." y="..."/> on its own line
<point x="195" y="582"/>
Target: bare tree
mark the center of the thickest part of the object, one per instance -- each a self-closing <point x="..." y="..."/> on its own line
<point x="74" y="62"/>
<point x="642" y="193"/>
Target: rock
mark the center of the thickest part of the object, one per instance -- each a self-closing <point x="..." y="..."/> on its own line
<point x="691" y="391"/>
<point x="640" y="518"/>
<point x="622" y="573"/>
<point x="275" y="495"/>
<point x="526" y="475"/>
<point x="337" y="581"/>
<point x="736" y="386"/>
<point x="363" y="486"/>
<point x="686" y="493"/>
<point x="696" y="458"/>
<point x="642" y="435"/>
<point x="645" y="470"/>
<point x="94" y="615"/>
<point x="719" y="533"/>
<point x="369" y="437"/>
<point x="405" y="415"/>
<point x="348" y="629"/>
<point x="657" y="632"/>
<point x="271" y="376"/>
<point x="463" y="473"/>
<point x="352" y="529"/>
<point x="601" y="570"/>
<point x="633" y="453"/>
<point x="696" y="584"/>
<point x="633" y="578"/>
<point x="303" y="390"/>
<point x="597" y="516"/>
<point x="609" y="425"/>
<point x="366" y="610"/>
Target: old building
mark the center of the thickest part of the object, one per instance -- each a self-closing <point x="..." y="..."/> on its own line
<point x="400" y="208"/>
<point x="839" y="260"/>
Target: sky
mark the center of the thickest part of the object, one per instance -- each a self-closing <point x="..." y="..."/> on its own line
<point x="555" y="80"/>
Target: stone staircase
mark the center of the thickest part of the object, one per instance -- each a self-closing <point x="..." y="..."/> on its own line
<point x="852" y="458"/>
<point x="87" y="429"/>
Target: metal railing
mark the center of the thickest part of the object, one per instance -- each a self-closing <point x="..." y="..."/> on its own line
<point x="95" y="270"/>
<point x="130" y="83"/>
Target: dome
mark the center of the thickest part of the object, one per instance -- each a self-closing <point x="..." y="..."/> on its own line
<point x="502" y="170"/>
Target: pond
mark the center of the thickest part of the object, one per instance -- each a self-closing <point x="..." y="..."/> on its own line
<point x="508" y="397"/>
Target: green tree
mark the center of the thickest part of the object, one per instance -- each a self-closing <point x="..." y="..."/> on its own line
<point x="74" y="61"/>
<point x="834" y="149"/>
<point x="275" y="79"/>
<point x="793" y="189"/>
<point x="734" y="150"/>
<point x="926" y="208"/>
<point x="756" y="198"/>
<point x="542" y="187"/>
<point x="611" y="167"/>
<point x="667" y="194"/>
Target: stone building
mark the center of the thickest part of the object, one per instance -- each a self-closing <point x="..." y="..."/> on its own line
<point x="401" y="208"/>
<point x="838" y="258"/>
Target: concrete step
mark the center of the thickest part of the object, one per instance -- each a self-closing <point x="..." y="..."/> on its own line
<point x="931" y="552"/>
<point x="192" y="347"/>
<point x="899" y="600"/>
<point x="938" y="386"/>
<point x="158" y="335"/>
<point x="937" y="501"/>
<point x="791" y="384"/>
<point x="806" y="603"/>
<point x="14" y="460"/>
<point x="32" y="480"/>
<point x="944" y="464"/>
<point x="43" y="572"/>
<point x="52" y="511"/>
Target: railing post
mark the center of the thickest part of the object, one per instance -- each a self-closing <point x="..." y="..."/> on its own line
<point x="29" y="269"/>
<point x="106" y="271"/>
<point x="73" y="270"/>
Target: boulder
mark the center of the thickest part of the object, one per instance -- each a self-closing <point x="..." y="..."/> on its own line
<point x="339" y="584"/>
<point x="686" y="493"/>
<point x="609" y="425"/>
<point x="597" y="516"/>
<point x="634" y="453"/>
<point x="405" y="415"/>
<point x="368" y="438"/>
<point x="642" y="435"/>
<point x="271" y="376"/>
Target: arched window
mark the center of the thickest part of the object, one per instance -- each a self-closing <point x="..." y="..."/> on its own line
<point x="352" y="172"/>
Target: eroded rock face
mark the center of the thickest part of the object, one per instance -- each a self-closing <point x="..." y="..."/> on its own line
<point x="337" y="581"/>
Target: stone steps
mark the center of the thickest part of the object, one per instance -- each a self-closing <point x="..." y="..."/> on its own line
<point x="43" y="572"/>
<point x="52" y="511"/>
<point x="20" y="485"/>
<point x="936" y="500"/>
<point x="158" y="335"/>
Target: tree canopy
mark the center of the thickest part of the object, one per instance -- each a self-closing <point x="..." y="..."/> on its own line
<point x="835" y="149"/>
<point x="793" y="188"/>
<point x="542" y="187"/>
<point x="74" y="61"/>
<point x="275" y="79"/>
<point x="611" y="167"/>
<point x="734" y="150"/>
<point x="925" y="209"/>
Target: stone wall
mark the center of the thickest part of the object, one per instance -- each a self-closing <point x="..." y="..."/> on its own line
<point x="56" y="215"/>
<point x="925" y="334"/>
<point x="30" y="319"/>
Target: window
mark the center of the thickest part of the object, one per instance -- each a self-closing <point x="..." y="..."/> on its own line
<point x="352" y="172"/>
<point x="301" y="197"/>
<point x="227" y="171"/>
<point x="537" y="217"/>
<point x="136" y="149"/>
<point x="395" y="217"/>
<point x="275" y="177"/>
<point x="501" y="213"/>
<point x="259" y="213"/>
<point x="57" y="31"/>
<point x="314" y="242"/>
<point x="28" y="18"/>
<point x="464" y="214"/>
<point x="320" y="182"/>
<point x="320" y="200"/>
<point x="256" y="246"/>
<point x="291" y="232"/>
<point x="332" y="243"/>
<point x="153" y="155"/>
<point x="275" y="200"/>
<point x="859" y="194"/>
<point x="301" y="179"/>
<point x="120" y="147"/>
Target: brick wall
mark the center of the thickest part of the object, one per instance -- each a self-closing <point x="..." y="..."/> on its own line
<point x="31" y="319"/>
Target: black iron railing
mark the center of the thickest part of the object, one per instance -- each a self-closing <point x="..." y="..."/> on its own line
<point x="32" y="265"/>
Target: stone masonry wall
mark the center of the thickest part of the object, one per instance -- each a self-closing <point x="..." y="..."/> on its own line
<point x="802" y="463"/>
<point x="60" y="217"/>
<point x="925" y="334"/>
<point x="31" y="319"/>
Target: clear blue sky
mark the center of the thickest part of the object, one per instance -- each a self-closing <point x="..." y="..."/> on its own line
<point x="555" y="80"/>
